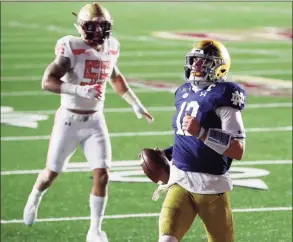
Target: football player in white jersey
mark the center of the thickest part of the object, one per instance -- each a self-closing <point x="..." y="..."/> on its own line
<point x="80" y="72"/>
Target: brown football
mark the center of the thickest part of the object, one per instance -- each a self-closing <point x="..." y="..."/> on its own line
<point x="155" y="165"/>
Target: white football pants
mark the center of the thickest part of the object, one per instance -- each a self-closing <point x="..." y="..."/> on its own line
<point x="71" y="129"/>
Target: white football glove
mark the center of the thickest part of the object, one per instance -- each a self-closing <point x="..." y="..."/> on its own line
<point x="140" y="110"/>
<point x="89" y="92"/>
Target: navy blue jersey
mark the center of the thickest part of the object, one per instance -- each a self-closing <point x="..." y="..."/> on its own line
<point x="189" y="153"/>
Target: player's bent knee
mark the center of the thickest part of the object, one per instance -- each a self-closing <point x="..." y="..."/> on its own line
<point x="52" y="174"/>
<point x="168" y="238"/>
<point x="54" y="168"/>
<point x="47" y="176"/>
<point x="101" y="177"/>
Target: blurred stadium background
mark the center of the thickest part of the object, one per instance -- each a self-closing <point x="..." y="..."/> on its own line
<point x="154" y="39"/>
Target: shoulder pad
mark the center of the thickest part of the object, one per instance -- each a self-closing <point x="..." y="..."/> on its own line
<point x="70" y="39"/>
<point x="64" y="48"/>
<point x="231" y="95"/>
<point x="113" y="46"/>
<point x="183" y="88"/>
<point x="114" y="41"/>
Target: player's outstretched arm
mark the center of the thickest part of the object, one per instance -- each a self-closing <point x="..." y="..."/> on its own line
<point x="52" y="80"/>
<point x="120" y="85"/>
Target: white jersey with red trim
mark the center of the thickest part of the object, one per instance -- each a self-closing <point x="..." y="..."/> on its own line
<point x="88" y="67"/>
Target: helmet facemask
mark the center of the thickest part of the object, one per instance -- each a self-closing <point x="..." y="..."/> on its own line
<point x="200" y="69"/>
<point x="95" y="32"/>
<point x="94" y="23"/>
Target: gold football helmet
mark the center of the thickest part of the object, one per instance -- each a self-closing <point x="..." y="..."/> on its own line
<point x="208" y="62"/>
<point x="94" y="23"/>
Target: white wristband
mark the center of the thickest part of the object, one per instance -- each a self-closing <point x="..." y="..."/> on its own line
<point x="130" y="97"/>
<point x="68" y="88"/>
<point x="218" y="140"/>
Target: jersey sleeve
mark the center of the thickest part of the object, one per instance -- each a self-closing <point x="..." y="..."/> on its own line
<point x="118" y="53"/>
<point x="168" y="152"/>
<point x="118" y="50"/>
<point x="232" y="122"/>
<point x="114" y="49"/>
<point x="63" y="48"/>
<point x="232" y="95"/>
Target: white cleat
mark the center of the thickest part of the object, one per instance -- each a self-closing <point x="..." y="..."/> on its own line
<point x="31" y="211"/>
<point x="95" y="236"/>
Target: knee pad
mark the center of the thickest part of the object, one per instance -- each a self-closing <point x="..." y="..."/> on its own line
<point x="168" y="238"/>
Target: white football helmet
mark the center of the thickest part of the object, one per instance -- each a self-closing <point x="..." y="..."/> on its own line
<point x="94" y="23"/>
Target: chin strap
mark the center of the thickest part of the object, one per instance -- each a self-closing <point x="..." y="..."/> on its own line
<point x="200" y="86"/>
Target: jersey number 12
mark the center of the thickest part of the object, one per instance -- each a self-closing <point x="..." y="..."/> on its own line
<point x="186" y="107"/>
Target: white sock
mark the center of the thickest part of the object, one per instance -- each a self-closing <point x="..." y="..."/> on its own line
<point x="97" y="206"/>
<point x="35" y="194"/>
<point x="167" y="238"/>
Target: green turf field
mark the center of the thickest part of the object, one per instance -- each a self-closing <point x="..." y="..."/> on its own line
<point x="29" y="32"/>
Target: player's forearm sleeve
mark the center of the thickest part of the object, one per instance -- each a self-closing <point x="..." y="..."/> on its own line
<point x="231" y="121"/>
<point x="68" y="88"/>
<point x="130" y="97"/>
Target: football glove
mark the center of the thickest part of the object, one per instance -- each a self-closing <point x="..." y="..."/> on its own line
<point x="140" y="110"/>
<point x="89" y="92"/>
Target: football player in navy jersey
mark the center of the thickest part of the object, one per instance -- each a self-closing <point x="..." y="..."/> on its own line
<point x="209" y="134"/>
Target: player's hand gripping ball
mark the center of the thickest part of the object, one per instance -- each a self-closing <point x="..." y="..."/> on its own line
<point x="155" y="165"/>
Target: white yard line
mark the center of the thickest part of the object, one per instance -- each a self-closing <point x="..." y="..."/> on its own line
<point x="150" y="133"/>
<point x="268" y="72"/>
<point x="40" y="93"/>
<point x="253" y="10"/>
<point x="268" y="105"/>
<point x="130" y="75"/>
<point x="143" y="215"/>
<point x="247" y="8"/>
<point x="160" y="53"/>
<point x="67" y="31"/>
<point x="157" y="75"/>
<point x="262" y="162"/>
<point x="20" y="78"/>
<point x="148" y="63"/>
<point x="134" y="164"/>
<point x="269" y="129"/>
<point x="9" y="38"/>
<point x="166" y="108"/>
<point x="109" y="91"/>
<point x="147" y="39"/>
